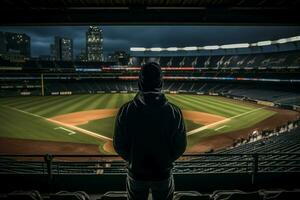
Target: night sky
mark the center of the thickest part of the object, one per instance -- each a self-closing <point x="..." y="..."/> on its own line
<point x="124" y="37"/>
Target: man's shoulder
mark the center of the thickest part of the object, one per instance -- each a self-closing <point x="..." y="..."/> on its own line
<point x="173" y="106"/>
<point x="126" y="106"/>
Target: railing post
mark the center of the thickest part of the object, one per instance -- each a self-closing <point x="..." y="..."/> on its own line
<point x="255" y="167"/>
<point x="48" y="159"/>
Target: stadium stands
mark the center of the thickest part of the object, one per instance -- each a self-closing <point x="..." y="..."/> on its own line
<point x="265" y="76"/>
<point x="179" y="195"/>
<point x="267" y="60"/>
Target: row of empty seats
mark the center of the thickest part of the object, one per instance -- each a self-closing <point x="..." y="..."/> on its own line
<point x="178" y="195"/>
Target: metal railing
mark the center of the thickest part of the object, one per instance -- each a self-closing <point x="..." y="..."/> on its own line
<point x="50" y="165"/>
<point x="112" y="164"/>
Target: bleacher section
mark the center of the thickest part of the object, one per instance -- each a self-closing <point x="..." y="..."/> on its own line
<point x="282" y="94"/>
<point x="180" y="195"/>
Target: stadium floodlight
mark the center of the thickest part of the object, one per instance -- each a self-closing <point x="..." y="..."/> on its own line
<point x="190" y="48"/>
<point x="235" y="46"/>
<point x="156" y="49"/>
<point x="281" y="41"/>
<point x="172" y="49"/>
<point x="264" y="43"/>
<point x="294" y="39"/>
<point x="225" y="46"/>
<point x="213" y="47"/>
<point x="137" y="49"/>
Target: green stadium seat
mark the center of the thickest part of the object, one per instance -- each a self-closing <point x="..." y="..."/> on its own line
<point x="24" y="195"/>
<point x="282" y="195"/>
<point x="114" y="195"/>
<point x="238" y="196"/>
<point x="63" y="195"/>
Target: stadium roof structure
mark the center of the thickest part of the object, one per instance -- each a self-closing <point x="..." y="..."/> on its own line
<point x="70" y="12"/>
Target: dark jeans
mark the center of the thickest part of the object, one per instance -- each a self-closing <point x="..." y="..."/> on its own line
<point x="139" y="190"/>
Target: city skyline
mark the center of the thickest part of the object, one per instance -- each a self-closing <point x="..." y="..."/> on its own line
<point x="121" y="38"/>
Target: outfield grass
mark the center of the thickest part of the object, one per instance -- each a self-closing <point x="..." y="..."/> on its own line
<point x="28" y="122"/>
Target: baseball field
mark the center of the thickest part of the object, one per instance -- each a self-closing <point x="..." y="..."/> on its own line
<point x="85" y="123"/>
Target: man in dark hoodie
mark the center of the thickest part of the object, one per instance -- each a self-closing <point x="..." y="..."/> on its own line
<point x="150" y="135"/>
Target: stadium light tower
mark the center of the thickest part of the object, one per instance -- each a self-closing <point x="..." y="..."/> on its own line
<point x="172" y="49"/>
<point x="156" y="49"/>
<point x="137" y="49"/>
<point x="264" y="43"/>
<point x="294" y="39"/>
<point x="282" y="41"/>
<point x="212" y="47"/>
<point x="225" y="46"/>
<point x="190" y="48"/>
<point x="235" y="46"/>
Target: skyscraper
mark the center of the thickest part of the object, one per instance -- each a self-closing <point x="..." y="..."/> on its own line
<point x="52" y="52"/>
<point x="121" y="57"/>
<point x="2" y="43"/>
<point x="18" y="43"/>
<point x="63" y="48"/>
<point x="94" y="42"/>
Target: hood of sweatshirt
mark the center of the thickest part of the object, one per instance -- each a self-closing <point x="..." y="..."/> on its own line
<point x="150" y="99"/>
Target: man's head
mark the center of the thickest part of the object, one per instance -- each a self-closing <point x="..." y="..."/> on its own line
<point x="150" y="78"/>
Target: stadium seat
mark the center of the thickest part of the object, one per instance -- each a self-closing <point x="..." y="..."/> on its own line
<point x="238" y="196"/>
<point x="114" y="195"/>
<point x="63" y="195"/>
<point x="281" y="195"/>
<point x="186" y="195"/>
<point x="201" y="197"/>
<point x="24" y="195"/>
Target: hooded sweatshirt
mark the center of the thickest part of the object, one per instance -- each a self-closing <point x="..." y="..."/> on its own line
<point x="149" y="131"/>
<point x="150" y="135"/>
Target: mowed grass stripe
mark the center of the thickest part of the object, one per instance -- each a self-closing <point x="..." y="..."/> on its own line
<point x="15" y="100"/>
<point x="39" y="107"/>
<point x="81" y="105"/>
<point x="38" y="102"/>
<point x="241" y="108"/>
<point x="204" y="107"/>
<point x="181" y="103"/>
<point x="97" y="102"/>
<point x="187" y="104"/>
<point x="213" y="108"/>
<point x="229" y="102"/>
<point x="220" y="104"/>
<point x="218" y="107"/>
<point x="27" y="100"/>
<point x="112" y="102"/>
<point x="58" y="108"/>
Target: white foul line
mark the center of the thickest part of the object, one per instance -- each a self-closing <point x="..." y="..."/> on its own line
<point x="65" y="129"/>
<point x="197" y="130"/>
<point x="224" y="126"/>
<point x="75" y="128"/>
<point x="90" y="133"/>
